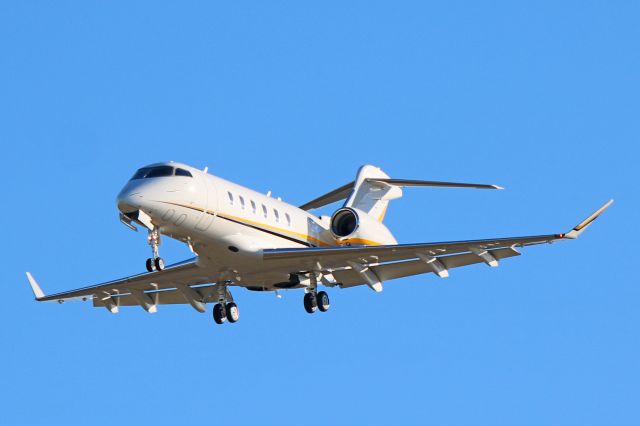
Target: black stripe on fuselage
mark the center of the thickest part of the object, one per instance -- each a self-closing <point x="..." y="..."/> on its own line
<point x="277" y="234"/>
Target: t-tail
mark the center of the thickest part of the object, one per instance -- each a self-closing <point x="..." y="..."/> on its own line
<point x="371" y="194"/>
<point x="373" y="189"/>
<point x="359" y="221"/>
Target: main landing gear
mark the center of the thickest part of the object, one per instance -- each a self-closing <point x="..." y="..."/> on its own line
<point x="226" y="312"/>
<point x="316" y="300"/>
<point x="225" y="309"/>
<point x="154" y="263"/>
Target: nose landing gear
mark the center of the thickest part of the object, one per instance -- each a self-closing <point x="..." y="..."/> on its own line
<point x="154" y="263"/>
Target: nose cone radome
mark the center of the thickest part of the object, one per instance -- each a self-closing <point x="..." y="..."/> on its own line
<point x="129" y="200"/>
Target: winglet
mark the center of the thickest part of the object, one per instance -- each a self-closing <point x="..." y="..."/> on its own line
<point x="37" y="291"/>
<point x="579" y="229"/>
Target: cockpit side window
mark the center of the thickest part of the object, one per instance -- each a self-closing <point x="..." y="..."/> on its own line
<point x="183" y="172"/>
<point x="140" y="174"/>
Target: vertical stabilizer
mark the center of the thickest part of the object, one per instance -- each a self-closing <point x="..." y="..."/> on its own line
<point x="370" y="196"/>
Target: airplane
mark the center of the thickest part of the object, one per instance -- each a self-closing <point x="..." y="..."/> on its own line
<point x="243" y="238"/>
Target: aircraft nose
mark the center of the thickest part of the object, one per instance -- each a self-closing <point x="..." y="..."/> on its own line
<point x="129" y="201"/>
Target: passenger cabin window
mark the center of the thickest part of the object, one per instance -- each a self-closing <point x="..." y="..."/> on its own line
<point x="159" y="171"/>
<point x="265" y="212"/>
<point x="286" y="215"/>
<point x="242" y="202"/>
<point x="277" y="214"/>
<point x="230" y="197"/>
<point x="253" y="206"/>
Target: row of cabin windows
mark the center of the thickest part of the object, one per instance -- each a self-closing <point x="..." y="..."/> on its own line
<point x="254" y="208"/>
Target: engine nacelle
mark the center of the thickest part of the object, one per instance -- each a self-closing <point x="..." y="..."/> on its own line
<point x="351" y="226"/>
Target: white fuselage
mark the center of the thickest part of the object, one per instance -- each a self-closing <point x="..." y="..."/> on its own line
<point x="226" y="224"/>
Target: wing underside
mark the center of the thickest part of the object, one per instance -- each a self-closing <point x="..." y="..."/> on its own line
<point x="372" y="265"/>
<point x="184" y="282"/>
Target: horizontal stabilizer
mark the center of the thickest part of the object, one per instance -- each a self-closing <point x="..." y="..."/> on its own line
<point x="330" y="197"/>
<point x="412" y="182"/>
<point x="345" y="190"/>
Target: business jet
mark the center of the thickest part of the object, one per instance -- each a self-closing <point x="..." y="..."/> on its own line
<point x="243" y="238"/>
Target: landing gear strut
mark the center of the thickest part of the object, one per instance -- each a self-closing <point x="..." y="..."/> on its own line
<point x="154" y="263"/>
<point x="314" y="299"/>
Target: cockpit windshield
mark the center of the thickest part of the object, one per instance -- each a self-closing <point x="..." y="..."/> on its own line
<point x="160" y="171"/>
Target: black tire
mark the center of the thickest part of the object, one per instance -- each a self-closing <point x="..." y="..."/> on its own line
<point x="233" y="313"/>
<point x="150" y="265"/>
<point x="219" y="313"/>
<point x="310" y="303"/>
<point x="323" y="301"/>
<point x="159" y="264"/>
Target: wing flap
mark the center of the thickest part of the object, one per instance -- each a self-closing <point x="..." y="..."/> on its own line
<point x="163" y="297"/>
<point x="184" y="273"/>
<point x="391" y="271"/>
<point x="336" y="257"/>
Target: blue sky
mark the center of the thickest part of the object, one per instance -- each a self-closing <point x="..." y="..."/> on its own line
<point x="540" y="97"/>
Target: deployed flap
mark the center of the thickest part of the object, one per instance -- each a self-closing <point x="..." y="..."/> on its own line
<point x="183" y="273"/>
<point x="337" y="257"/>
<point x="390" y="271"/>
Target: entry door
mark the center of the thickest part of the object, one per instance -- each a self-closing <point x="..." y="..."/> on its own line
<point x="210" y="203"/>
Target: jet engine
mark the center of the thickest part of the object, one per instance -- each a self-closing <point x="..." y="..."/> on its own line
<point x="351" y="226"/>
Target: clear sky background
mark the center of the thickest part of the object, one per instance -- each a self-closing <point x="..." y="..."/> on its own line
<point x="540" y="97"/>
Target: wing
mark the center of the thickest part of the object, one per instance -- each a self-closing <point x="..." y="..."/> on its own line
<point x="171" y="285"/>
<point x="373" y="264"/>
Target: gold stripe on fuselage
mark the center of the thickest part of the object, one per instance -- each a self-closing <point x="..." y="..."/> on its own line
<point x="359" y="241"/>
<point x="306" y="238"/>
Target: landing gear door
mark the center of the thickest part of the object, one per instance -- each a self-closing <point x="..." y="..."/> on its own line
<point x="209" y="202"/>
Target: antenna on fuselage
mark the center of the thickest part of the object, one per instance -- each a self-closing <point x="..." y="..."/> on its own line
<point x="206" y="169"/>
